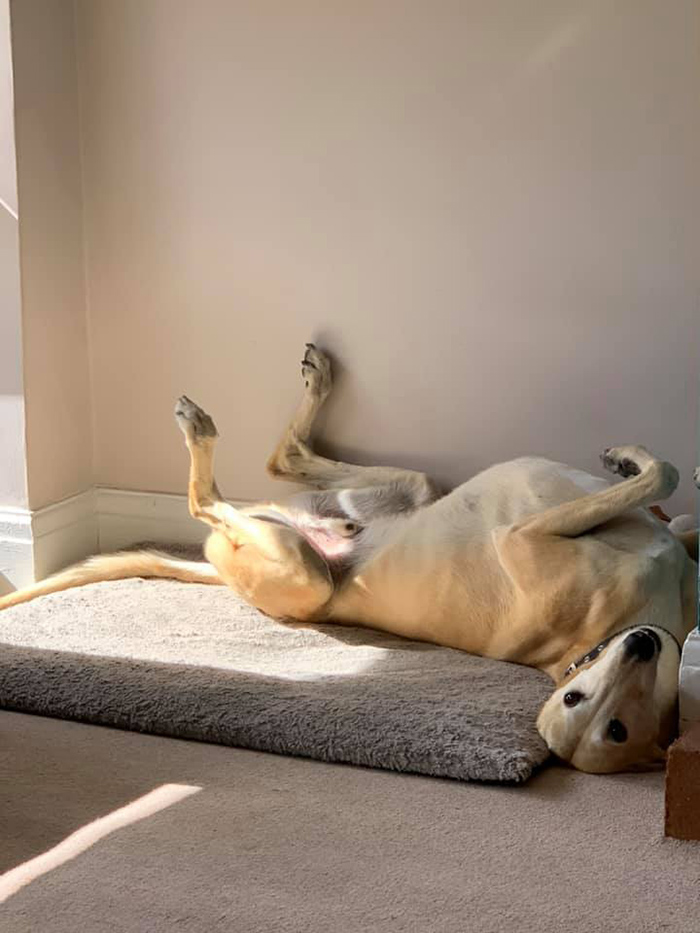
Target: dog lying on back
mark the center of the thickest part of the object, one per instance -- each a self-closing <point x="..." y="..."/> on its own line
<point x="530" y="561"/>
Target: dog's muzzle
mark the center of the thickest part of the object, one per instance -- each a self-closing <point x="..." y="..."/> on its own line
<point x="642" y="644"/>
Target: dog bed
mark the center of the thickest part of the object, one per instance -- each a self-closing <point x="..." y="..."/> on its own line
<point x="195" y="662"/>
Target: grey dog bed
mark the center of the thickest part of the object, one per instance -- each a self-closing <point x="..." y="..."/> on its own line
<point x="194" y="662"/>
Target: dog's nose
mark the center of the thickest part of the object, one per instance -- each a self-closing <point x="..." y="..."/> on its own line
<point x="642" y="644"/>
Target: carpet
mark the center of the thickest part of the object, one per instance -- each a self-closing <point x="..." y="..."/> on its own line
<point x="274" y="844"/>
<point x="193" y="661"/>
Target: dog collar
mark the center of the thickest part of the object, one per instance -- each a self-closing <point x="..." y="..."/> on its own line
<point x="594" y="652"/>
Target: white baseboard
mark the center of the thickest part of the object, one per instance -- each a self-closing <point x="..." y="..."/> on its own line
<point x="64" y="533"/>
<point x="125" y="517"/>
<point x="34" y="544"/>
<point x="16" y="549"/>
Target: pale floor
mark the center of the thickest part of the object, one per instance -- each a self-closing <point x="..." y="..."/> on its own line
<point x="284" y="844"/>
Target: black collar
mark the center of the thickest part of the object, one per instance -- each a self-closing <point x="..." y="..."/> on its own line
<point x="594" y="652"/>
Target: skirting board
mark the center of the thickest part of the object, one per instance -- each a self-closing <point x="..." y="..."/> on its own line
<point x="125" y="517"/>
<point x="16" y="549"/>
<point x="34" y="544"/>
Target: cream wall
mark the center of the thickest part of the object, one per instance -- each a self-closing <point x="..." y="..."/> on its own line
<point x="56" y="374"/>
<point x="489" y="211"/>
<point x="13" y="481"/>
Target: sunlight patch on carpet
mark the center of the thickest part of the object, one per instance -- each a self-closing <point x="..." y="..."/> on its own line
<point x="85" y="837"/>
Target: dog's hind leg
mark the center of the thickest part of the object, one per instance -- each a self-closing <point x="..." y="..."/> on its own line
<point x="267" y="562"/>
<point x="295" y="460"/>
<point x="204" y="499"/>
<point x="650" y="480"/>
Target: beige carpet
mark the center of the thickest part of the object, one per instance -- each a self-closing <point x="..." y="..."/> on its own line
<point x="289" y="845"/>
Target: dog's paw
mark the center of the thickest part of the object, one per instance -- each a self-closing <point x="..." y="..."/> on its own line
<point x="316" y="371"/>
<point x="195" y="423"/>
<point x="631" y="461"/>
<point x="624" y="461"/>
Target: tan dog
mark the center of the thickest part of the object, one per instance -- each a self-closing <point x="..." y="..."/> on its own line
<point x="530" y="561"/>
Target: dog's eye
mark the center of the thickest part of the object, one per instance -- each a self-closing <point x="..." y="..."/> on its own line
<point x="617" y="731"/>
<point x="573" y="698"/>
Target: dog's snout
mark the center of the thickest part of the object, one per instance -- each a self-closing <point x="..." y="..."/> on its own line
<point x="642" y="644"/>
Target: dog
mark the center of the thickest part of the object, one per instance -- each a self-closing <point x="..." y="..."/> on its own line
<point x="531" y="561"/>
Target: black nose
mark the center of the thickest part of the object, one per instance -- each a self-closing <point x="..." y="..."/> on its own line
<point x="642" y="644"/>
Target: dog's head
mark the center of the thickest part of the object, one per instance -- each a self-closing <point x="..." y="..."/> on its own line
<point x="616" y="708"/>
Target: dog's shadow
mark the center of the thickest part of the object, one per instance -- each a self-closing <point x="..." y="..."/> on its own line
<point x="359" y="636"/>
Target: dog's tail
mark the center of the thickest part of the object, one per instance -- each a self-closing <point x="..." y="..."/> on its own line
<point x="121" y="566"/>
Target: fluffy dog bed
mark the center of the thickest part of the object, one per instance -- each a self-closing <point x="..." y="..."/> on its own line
<point x="194" y="662"/>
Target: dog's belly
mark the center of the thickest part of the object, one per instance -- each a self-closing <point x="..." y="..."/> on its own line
<point x="439" y="577"/>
